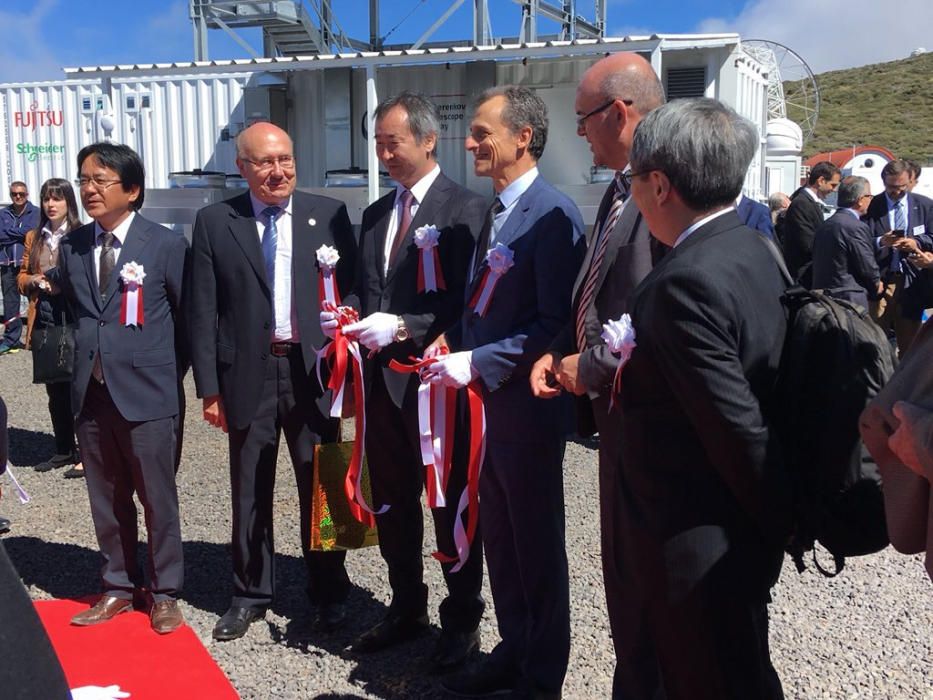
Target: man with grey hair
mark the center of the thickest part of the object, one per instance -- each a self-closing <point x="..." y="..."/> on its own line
<point x="401" y="316"/>
<point x="612" y="98"/>
<point x="522" y="277"/>
<point x="706" y="504"/>
<point x="844" y="262"/>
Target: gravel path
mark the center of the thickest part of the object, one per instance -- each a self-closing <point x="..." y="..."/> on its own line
<point x="866" y="634"/>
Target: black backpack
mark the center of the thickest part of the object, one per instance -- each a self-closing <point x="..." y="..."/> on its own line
<point x="834" y="361"/>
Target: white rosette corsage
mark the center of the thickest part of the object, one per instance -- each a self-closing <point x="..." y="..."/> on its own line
<point x="327" y="258"/>
<point x="620" y="339"/>
<point x="132" y="275"/>
<point x="499" y="260"/>
<point x="430" y="275"/>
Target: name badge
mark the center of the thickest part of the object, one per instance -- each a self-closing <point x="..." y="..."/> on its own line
<point x="919" y="229"/>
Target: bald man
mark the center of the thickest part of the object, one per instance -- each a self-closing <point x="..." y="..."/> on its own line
<point x="253" y="309"/>
<point x="613" y="96"/>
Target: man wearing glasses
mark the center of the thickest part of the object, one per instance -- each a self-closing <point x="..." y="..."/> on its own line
<point x="253" y="312"/>
<point x="123" y="276"/>
<point x="15" y="220"/>
<point x="613" y="96"/>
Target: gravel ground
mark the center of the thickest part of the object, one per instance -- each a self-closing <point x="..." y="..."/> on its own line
<point x="866" y="634"/>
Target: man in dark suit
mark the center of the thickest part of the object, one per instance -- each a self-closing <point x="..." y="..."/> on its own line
<point x="843" y="252"/>
<point x="400" y="317"/>
<point x="901" y="223"/>
<point x="253" y="309"/>
<point x="805" y="215"/>
<point x="619" y="255"/>
<point x="130" y="354"/>
<point x="521" y="486"/>
<point x="702" y="482"/>
<point x="754" y="215"/>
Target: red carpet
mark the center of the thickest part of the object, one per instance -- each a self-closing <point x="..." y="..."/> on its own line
<point x="125" y="651"/>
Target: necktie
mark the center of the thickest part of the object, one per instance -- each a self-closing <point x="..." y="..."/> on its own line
<point x="107" y="261"/>
<point x="588" y="292"/>
<point x="404" y="221"/>
<point x="482" y="245"/>
<point x="270" y="240"/>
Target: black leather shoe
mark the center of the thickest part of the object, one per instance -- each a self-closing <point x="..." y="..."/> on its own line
<point x="54" y="462"/>
<point x="330" y="616"/>
<point x="394" y="629"/>
<point x="451" y="650"/>
<point x="235" y="622"/>
<point x="489" y="680"/>
<point x="4" y="524"/>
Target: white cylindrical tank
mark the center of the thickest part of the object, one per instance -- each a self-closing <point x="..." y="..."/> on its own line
<point x="784" y="137"/>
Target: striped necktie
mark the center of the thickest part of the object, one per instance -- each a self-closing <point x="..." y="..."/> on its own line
<point x="588" y="293"/>
<point x="270" y="241"/>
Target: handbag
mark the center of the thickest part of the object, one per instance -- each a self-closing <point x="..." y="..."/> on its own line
<point x="53" y="354"/>
<point x="333" y="526"/>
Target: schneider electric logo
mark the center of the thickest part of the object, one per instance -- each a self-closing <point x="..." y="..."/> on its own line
<point x="43" y="151"/>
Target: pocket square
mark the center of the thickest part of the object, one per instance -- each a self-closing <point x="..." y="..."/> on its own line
<point x="312" y="222"/>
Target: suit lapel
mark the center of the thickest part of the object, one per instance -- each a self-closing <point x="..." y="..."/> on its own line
<point x="136" y="239"/>
<point x="243" y="230"/>
<point x="306" y="239"/>
<point x="436" y="196"/>
<point x="87" y="257"/>
<point x="591" y="240"/>
<point x="627" y="223"/>
<point x="380" y="231"/>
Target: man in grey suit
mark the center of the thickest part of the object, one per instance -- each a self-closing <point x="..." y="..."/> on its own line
<point x="495" y="344"/>
<point x="613" y="96"/>
<point x="843" y="257"/>
<point x="130" y="354"/>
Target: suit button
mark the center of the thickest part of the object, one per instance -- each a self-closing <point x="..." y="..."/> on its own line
<point x="266" y="325"/>
<point x="265" y="356"/>
<point x="102" y="324"/>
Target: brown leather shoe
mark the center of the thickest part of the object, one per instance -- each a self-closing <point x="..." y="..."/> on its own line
<point x="103" y="610"/>
<point x="166" y="616"/>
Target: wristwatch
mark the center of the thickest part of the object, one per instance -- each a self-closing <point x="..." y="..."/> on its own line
<point x="401" y="333"/>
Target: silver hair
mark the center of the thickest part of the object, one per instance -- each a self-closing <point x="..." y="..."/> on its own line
<point x="644" y="94"/>
<point x="701" y="145"/>
<point x="850" y="191"/>
<point x="422" y="115"/>
<point x="523" y="107"/>
<point x="777" y="201"/>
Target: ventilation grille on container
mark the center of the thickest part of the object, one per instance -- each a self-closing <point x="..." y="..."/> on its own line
<point x="685" y="82"/>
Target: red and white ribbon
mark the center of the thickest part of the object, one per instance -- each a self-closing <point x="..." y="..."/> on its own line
<point x="430" y="274"/>
<point x="499" y="260"/>
<point x="344" y="360"/>
<point x="620" y="339"/>
<point x="436" y="423"/>
<point x="327" y="257"/>
<point x="132" y="275"/>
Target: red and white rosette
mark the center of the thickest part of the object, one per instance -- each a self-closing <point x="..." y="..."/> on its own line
<point x="327" y="258"/>
<point x="620" y="339"/>
<point x="132" y="275"/>
<point x="344" y="360"/>
<point x="499" y="260"/>
<point x="436" y="424"/>
<point x="430" y="274"/>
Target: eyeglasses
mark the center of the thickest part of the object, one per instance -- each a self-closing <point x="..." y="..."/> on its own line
<point x="628" y="176"/>
<point x="99" y="184"/>
<point x="284" y="162"/>
<point x="17" y="195"/>
<point x="601" y="108"/>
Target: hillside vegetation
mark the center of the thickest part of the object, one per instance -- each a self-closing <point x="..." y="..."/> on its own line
<point x="885" y="104"/>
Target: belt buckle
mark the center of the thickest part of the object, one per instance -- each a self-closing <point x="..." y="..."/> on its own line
<point x="280" y="349"/>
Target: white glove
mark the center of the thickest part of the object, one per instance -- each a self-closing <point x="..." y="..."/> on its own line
<point x="375" y="331"/>
<point x="96" y="692"/>
<point x="329" y="324"/>
<point x="455" y="370"/>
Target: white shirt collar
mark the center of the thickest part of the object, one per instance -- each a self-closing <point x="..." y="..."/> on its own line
<point x="814" y="195"/>
<point x="853" y="213"/>
<point x="259" y="205"/>
<point x="705" y="220"/>
<point x="517" y="187"/>
<point x="119" y="232"/>
<point x="738" y="200"/>
<point x="420" y="189"/>
<point x="60" y="231"/>
<point x="902" y="202"/>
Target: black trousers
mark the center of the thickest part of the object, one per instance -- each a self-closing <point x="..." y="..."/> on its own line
<point x="122" y="457"/>
<point x="397" y="475"/>
<point x="522" y="509"/>
<point x="63" y="425"/>
<point x="287" y="404"/>
<point x="14" y="327"/>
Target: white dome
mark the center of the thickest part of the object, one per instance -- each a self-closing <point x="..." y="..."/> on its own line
<point x="784" y="137"/>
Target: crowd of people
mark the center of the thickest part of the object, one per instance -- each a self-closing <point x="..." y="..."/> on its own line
<point x="509" y="304"/>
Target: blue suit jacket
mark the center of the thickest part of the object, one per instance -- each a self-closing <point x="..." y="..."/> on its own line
<point x="141" y="365"/>
<point x="756" y="215"/>
<point x="530" y="306"/>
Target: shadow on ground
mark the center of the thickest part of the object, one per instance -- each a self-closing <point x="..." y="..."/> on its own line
<point x="30" y="447"/>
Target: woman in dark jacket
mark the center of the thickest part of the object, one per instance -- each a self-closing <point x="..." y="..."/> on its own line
<point x="48" y="308"/>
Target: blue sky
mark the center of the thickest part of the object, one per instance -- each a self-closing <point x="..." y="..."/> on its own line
<point x="43" y="36"/>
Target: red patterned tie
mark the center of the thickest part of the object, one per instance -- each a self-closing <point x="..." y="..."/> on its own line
<point x="588" y="292"/>
<point x="404" y="223"/>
